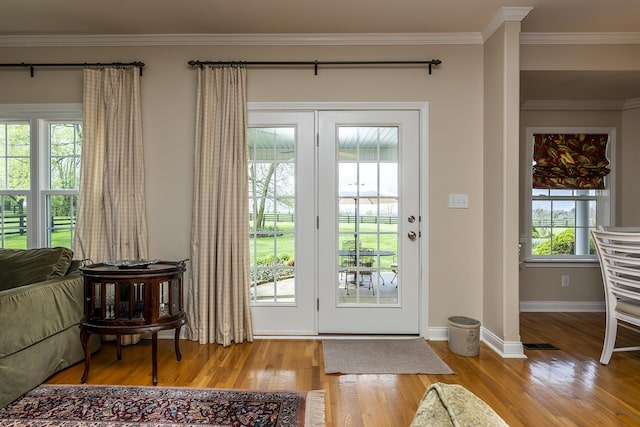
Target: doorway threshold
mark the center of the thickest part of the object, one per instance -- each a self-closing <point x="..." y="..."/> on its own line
<point x="336" y="337"/>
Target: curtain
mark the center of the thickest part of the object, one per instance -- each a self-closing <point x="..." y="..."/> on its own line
<point x="218" y="309"/>
<point x="111" y="218"/>
<point x="569" y="161"/>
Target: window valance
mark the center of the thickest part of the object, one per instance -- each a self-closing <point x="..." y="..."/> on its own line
<point x="570" y="161"/>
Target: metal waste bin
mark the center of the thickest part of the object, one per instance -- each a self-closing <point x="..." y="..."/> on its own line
<point x="464" y="335"/>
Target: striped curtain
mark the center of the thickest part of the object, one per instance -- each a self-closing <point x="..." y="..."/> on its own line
<point x="218" y="308"/>
<point x="111" y="220"/>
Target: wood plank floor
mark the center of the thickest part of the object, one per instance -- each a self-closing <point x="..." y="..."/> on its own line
<point x="565" y="387"/>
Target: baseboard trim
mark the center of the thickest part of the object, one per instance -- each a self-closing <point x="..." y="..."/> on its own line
<point x="439" y="333"/>
<point x="506" y="349"/>
<point x="562" y="306"/>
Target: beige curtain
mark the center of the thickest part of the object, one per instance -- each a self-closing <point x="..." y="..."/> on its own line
<point x="218" y="309"/>
<point x="111" y="219"/>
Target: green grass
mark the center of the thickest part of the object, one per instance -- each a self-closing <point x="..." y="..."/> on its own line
<point x="285" y="244"/>
<point x="264" y="246"/>
<point x="17" y="241"/>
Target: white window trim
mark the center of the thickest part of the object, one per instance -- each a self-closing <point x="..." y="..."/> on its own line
<point x="607" y="214"/>
<point x="38" y="115"/>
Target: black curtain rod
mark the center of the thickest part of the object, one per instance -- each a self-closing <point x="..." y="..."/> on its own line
<point x="32" y="66"/>
<point x="315" y="64"/>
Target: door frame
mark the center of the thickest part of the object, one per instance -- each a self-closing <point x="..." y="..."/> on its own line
<point x="423" y="109"/>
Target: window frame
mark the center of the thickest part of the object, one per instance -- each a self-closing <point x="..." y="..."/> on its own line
<point x="39" y="116"/>
<point x="605" y="201"/>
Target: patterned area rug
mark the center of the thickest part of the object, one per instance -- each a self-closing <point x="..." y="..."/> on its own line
<point x="94" y="405"/>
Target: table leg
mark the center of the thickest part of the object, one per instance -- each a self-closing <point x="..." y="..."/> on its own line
<point x="154" y="356"/>
<point x="84" y="338"/>
<point x="118" y="348"/>
<point x="177" y="343"/>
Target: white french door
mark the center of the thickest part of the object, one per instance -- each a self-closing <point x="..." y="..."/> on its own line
<point x="282" y="222"/>
<point x="369" y="222"/>
<point x="334" y="221"/>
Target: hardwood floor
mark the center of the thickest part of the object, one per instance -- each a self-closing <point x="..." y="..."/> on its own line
<point x="565" y="387"/>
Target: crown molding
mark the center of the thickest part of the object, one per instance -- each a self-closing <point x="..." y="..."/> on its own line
<point x="579" y="38"/>
<point x="631" y="104"/>
<point x="321" y="39"/>
<point x="581" y="105"/>
<point x="300" y="39"/>
<point x="573" y="104"/>
<point x="503" y="15"/>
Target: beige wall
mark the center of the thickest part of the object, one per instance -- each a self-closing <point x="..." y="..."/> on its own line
<point x="542" y="283"/>
<point x="461" y="281"/>
<point x="629" y="182"/>
<point x="454" y="93"/>
<point x="493" y="296"/>
<point x="501" y="116"/>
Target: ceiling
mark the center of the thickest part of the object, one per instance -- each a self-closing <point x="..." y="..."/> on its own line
<point x="158" y="17"/>
<point x="307" y="16"/>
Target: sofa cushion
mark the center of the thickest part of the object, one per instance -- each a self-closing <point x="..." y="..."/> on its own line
<point x="35" y="312"/>
<point x="19" y="267"/>
<point x="453" y="405"/>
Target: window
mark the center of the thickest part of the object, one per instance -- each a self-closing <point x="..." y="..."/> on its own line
<point x="39" y="171"/>
<point x="570" y="186"/>
<point x="272" y="202"/>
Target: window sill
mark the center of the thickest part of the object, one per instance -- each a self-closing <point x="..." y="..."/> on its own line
<point x="561" y="263"/>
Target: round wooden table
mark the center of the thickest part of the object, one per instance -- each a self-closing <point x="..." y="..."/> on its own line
<point x="132" y="297"/>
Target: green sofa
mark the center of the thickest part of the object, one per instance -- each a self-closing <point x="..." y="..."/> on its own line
<point x="41" y="305"/>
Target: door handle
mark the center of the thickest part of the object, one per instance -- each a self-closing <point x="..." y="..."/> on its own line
<point x="411" y="235"/>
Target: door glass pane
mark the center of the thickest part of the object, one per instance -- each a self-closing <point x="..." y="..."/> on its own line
<point x="368" y="215"/>
<point x="272" y="202"/>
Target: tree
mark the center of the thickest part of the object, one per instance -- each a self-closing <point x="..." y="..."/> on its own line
<point x="261" y="186"/>
<point x="265" y="193"/>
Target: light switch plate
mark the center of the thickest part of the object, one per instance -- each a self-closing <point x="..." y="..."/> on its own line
<point x="459" y="201"/>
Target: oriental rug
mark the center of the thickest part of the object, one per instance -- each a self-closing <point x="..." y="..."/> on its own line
<point x="381" y="356"/>
<point x="99" y="405"/>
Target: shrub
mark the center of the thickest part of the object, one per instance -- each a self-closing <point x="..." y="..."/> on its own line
<point x="564" y="243"/>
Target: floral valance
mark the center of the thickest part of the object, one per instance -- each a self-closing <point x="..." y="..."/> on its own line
<point x="570" y="161"/>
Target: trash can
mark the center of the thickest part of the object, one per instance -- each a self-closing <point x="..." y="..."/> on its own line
<point x="464" y="335"/>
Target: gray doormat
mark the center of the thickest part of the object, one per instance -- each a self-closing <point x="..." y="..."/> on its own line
<point x="381" y="356"/>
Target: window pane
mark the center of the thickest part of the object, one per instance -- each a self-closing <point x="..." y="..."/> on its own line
<point x="18" y="170"/>
<point x="563" y="214"/>
<point x="562" y="227"/>
<point x="368" y="215"/>
<point x="13" y="222"/>
<point x="61" y="220"/>
<point x="272" y="202"/>
<point x="18" y="139"/>
<point x="15" y="167"/>
<point x="65" y="149"/>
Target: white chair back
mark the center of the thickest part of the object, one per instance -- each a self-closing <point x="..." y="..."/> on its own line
<point x="619" y="255"/>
